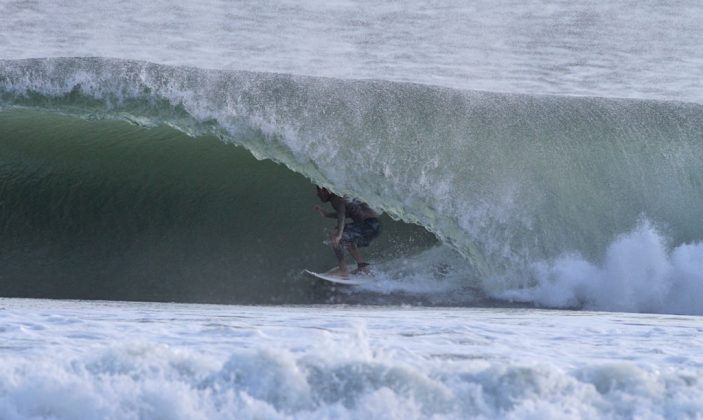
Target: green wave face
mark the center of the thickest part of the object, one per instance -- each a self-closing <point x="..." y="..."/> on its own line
<point x="105" y="209"/>
<point x="503" y="179"/>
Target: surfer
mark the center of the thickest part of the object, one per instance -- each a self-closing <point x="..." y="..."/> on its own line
<point x="350" y="236"/>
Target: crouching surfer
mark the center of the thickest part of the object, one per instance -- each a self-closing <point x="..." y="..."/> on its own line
<point x="364" y="228"/>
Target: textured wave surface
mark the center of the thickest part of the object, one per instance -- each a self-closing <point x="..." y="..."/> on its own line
<point x="508" y="181"/>
<point x="560" y="47"/>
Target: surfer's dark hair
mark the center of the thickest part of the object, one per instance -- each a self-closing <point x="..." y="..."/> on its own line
<point x="330" y="194"/>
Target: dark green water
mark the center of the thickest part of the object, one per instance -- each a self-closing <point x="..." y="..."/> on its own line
<point x="108" y="210"/>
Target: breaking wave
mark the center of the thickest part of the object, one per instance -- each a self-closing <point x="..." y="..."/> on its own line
<point x="534" y="193"/>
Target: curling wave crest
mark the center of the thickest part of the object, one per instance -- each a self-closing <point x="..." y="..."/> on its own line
<point x="506" y="180"/>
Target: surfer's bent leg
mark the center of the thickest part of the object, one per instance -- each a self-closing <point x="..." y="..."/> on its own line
<point x="358" y="235"/>
<point x="339" y="253"/>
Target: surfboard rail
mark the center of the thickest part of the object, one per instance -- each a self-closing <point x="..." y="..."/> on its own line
<point x="350" y="280"/>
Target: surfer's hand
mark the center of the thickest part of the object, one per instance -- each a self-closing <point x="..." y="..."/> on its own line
<point x="319" y="209"/>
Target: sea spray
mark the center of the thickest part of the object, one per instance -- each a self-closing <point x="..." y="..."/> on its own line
<point x="638" y="273"/>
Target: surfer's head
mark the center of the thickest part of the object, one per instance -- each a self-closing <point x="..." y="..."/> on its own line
<point x="324" y="194"/>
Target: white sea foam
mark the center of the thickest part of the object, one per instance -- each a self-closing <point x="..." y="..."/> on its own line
<point x="436" y="272"/>
<point x="639" y="273"/>
<point x="82" y="360"/>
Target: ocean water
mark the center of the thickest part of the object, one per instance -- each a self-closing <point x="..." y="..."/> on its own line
<point x="95" y="360"/>
<point x="539" y="165"/>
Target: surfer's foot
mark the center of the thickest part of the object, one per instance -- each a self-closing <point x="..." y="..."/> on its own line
<point x="338" y="272"/>
<point x="361" y="268"/>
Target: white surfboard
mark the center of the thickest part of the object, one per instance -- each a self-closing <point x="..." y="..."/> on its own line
<point x="350" y="280"/>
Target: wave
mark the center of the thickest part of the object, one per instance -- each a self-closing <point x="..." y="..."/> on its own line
<point x="505" y="180"/>
<point x="107" y="210"/>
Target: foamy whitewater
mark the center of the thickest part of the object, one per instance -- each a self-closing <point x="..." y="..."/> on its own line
<point x="95" y="360"/>
<point x="539" y="166"/>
